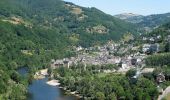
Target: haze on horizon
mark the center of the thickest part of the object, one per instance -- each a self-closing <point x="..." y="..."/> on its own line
<point x="113" y="7"/>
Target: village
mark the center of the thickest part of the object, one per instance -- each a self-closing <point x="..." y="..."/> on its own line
<point x="113" y="54"/>
<point x="126" y="55"/>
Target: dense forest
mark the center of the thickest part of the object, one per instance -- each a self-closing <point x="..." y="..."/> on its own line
<point x="92" y="85"/>
<point x="83" y="26"/>
<point x="158" y="60"/>
<point x="32" y="32"/>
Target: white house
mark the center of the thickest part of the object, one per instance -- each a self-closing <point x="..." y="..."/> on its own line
<point x="79" y="48"/>
<point x="146" y="47"/>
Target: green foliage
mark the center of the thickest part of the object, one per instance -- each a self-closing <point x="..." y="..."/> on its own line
<point x="164" y="69"/>
<point x="167" y="47"/>
<point x="158" y="59"/>
<point x="100" y="96"/>
<point x="15" y="77"/>
<point x="18" y="92"/>
<point x="49" y="71"/>
<point x="162" y="30"/>
<point x="55" y="14"/>
<point x="32" y="32"/>
<point x="131" y="73"/>
<point x="108" y="87"/>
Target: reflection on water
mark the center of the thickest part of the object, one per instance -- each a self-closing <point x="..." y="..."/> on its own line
<point x="39" y="90"/>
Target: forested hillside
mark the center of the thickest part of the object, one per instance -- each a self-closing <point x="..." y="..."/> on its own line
<point x="32" y="32"/>
<point x="85" y="26"/>
<point x="162" y="58"/>
<point x="39" y="30"/>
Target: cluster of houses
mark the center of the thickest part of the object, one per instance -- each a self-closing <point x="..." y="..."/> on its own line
<point x="152" y="43"/>
<point x="152" y="39"/>
<point x="131" y="61"/>
<point x="168" y="38"/>
<point x="101" y="56"/>
<point x="151" y="48"/>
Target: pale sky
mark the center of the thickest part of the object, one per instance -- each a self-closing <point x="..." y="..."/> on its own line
<point x="144" y="7"/>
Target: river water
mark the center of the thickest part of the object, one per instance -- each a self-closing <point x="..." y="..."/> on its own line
<point x="39" y="90"/>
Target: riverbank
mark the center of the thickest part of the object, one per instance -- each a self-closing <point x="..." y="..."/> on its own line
<point x="41" y="74"/>
<point x="57" y="83"/>
<point x="40" y="90"/>
<point x="75" y="93"/>
<point x="53" y="82"/>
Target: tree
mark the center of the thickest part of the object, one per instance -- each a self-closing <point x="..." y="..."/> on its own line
<point x="13" y="65"/>
<point x="167" y="47"/>
<point x="146" y="96"/>
<point x="3" y="87"/>
<point x="138" y="93"/>
<point x="30" y="78"/>
<point x="167" y="73"/>
<point x="112" y="96"/>
<point x="131" y="73"/>
<point x="15" y="76"/>
<point x="100" y="96"/>
<point x="49" y="71"/>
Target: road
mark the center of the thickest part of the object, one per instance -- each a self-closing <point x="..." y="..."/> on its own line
<point x="165" y="92"/>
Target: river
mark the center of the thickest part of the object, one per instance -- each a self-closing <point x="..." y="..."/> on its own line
<point x="39" y="90"/>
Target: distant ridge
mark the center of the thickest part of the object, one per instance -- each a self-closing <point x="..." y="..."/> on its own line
<point x="150" y="21"/>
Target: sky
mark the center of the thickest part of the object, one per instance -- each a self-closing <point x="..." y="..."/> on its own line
<point x="113" y="7"/>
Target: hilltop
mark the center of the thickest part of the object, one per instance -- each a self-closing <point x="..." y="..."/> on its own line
<point x="148" y="22"/>
<point x="130" y="17"/>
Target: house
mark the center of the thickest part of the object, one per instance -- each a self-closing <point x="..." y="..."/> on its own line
<point x="152" y="39"/>
<point x="135" y="48"/>
<point x="110" y="61"/>
<point x="144" y="38"/>
<point x="67" y="62"/>
<point x="57" y="63"/>
<point x="168" y="38"/>
<point x="160" y="78"/>
<point x="158" y="37"/>
<point x="147" y="70"/>
<point x="125" y="65"/>
<point x="146" y="48"/>
<point x="117" y="60"/>
<point x="154" y="48"/>
<point x="151" y="48"/>
<point x="79" y="48"/>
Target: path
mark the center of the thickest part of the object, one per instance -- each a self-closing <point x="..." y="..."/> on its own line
<point x="165" y="93"/>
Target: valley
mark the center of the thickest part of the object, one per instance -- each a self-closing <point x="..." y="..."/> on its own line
<point x="72" y="52"/>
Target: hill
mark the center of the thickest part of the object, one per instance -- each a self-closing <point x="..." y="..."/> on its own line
<point x="147" y="22"/>
<point x="130" y="17"/>
<point x="163" y="30"/>
<point x="87" y="25"/>
<point x="51" y="27"/>
<point x="32" y="32"/>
